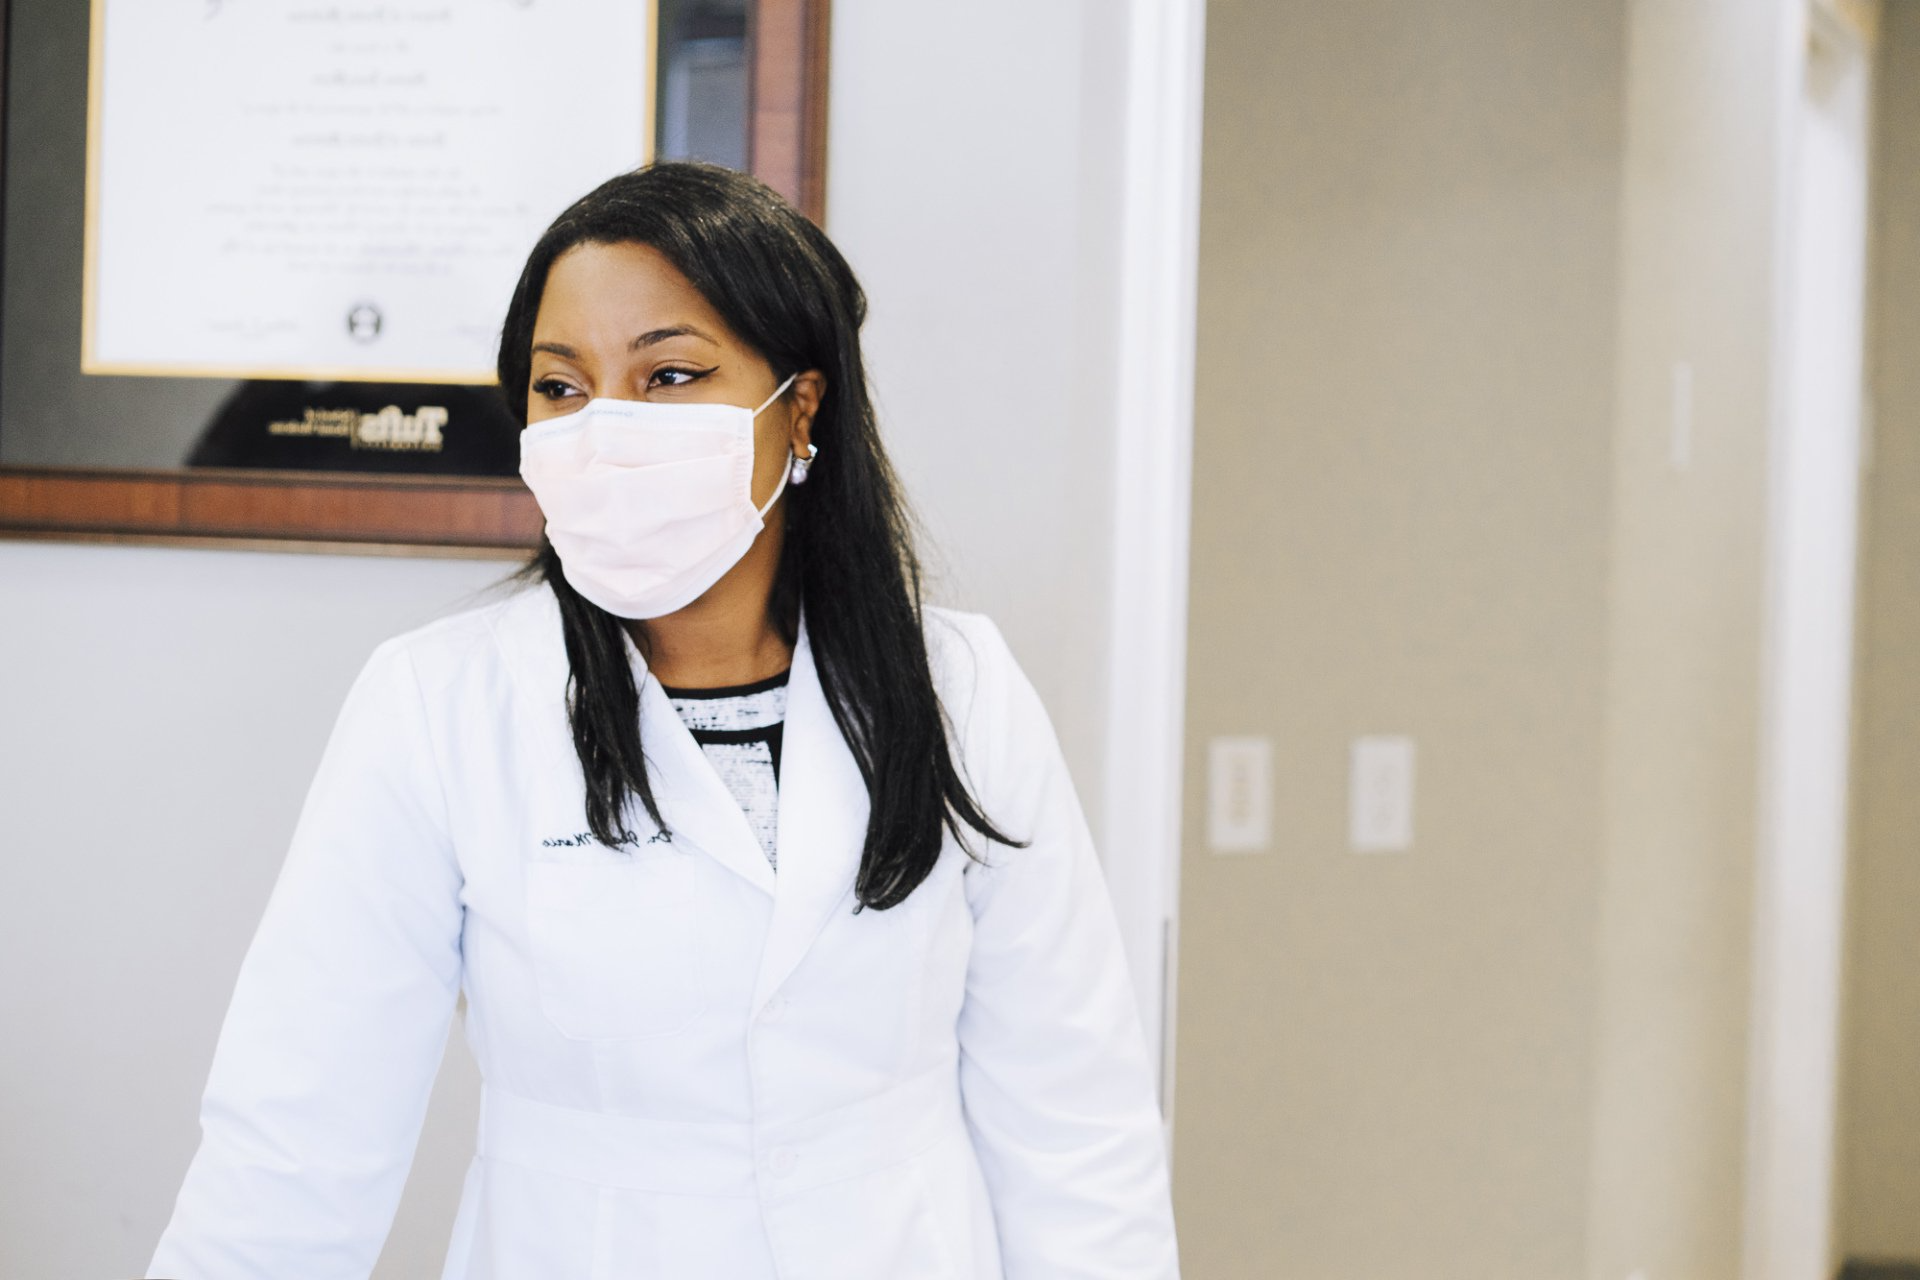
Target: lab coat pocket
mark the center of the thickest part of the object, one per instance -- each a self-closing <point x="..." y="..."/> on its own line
<point x="611" y="943"/>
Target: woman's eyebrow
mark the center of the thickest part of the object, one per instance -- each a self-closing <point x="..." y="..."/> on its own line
<point x="647" y="339"/>
<point x="652" y="336"/>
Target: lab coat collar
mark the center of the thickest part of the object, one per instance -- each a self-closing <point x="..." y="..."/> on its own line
<point x="822" y="823"/>
<point x="700" y="813"/>
<point x="695" y="803"/>
<point x="823" y="811"/>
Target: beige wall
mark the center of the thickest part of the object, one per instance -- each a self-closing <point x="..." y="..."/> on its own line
<point x="1450" y="257"/>
<point x="1880" y="1137"/>
<point x="1684" y="637"/>
<point x="1402" y="467"/>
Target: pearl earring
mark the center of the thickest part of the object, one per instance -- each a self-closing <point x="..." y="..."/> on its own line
<point x="797" y="473"/>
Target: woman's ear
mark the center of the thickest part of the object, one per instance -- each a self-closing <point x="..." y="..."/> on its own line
<point x="808" y="390"/>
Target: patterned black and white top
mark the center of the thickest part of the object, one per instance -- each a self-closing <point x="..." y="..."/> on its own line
<point x="738" y="730"/>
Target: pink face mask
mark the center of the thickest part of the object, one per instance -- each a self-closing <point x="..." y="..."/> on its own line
<point x="647" y="504"/>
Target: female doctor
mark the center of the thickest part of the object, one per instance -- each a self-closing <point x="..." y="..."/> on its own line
<point x="784" y="946"/>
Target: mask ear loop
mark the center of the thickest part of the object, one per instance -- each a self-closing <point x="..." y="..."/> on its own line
<point x="777" y="392"/>
<point x="780" y="488"/>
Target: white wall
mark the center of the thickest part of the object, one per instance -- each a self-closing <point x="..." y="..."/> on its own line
<point x="164" y="711"/>
<point x="974" y="155"/>
<point x="164" y="708"/>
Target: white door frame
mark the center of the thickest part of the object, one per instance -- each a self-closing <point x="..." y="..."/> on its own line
<point x="1153" y="433"/>
<point x="1813" y="503"/>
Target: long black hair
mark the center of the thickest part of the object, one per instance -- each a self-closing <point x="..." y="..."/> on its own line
<point x="779" y="283"/>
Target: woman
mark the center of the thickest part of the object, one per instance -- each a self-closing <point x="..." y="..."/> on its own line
<point x="784" y="945"/>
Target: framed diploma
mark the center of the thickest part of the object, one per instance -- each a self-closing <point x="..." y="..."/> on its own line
<point x="364" y="180"/>
<point x="255" y="253"/>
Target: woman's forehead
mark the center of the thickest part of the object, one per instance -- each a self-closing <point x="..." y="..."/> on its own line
<point x="599" y="294"/>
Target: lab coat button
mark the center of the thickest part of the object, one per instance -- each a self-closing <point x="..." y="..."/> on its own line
<point x="782" y="1161"/>
<point x="774" y="1010"/>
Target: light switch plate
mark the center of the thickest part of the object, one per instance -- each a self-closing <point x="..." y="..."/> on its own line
<point x="1380" y="796"/>
<point x="1239" y="794"/>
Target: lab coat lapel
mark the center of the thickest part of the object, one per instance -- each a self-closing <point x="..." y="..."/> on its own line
<point x="822" y="824"/>
<point x="697" y="807"/>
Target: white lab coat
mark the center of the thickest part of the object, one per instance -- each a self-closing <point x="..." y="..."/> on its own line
<point x="693" y="1068"/>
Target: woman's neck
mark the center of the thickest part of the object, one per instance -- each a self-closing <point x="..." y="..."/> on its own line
<point x="710" y="653"/>
<point x="726" y="637"/>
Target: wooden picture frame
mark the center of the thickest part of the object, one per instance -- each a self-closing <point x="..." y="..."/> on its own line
<point x="426" y="515"/>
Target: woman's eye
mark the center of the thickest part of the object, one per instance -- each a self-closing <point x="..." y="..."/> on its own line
<point x="551" y="388"/>
<point x="677" y="377"/>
